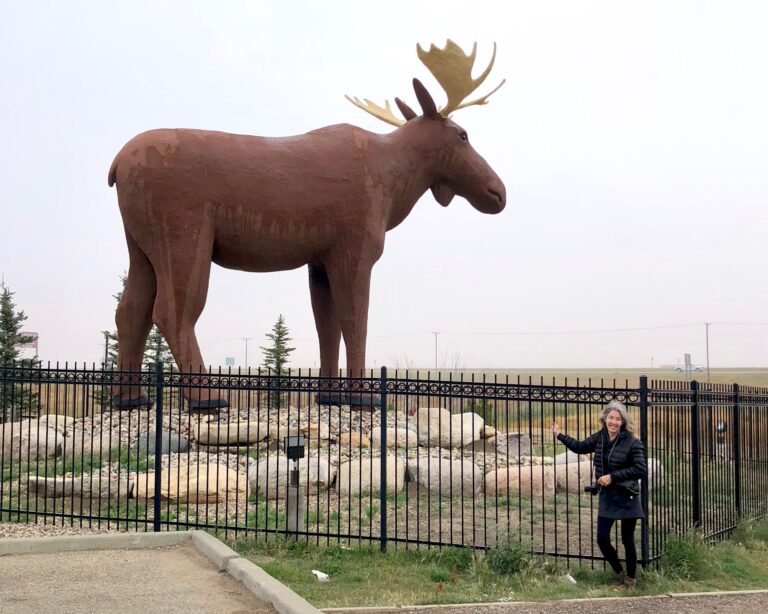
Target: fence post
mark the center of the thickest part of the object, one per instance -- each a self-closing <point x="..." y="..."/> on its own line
<point x="736" y="450"/>
<point x="644" y="557"/>
<point x="158" y="442"/>
<point x="383" y="464"/>
<point x="695" y="457"/>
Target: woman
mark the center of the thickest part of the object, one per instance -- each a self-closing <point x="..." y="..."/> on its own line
<point x="619" y="463"/>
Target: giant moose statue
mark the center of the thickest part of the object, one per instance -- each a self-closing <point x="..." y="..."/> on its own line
<point x="324" y="199"/>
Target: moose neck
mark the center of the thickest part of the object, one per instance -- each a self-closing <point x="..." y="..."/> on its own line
<point x="411" y="168"/>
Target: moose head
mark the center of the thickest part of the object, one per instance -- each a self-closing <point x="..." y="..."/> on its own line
<point x="325" y="199"/>
<point x="461" y="170"/>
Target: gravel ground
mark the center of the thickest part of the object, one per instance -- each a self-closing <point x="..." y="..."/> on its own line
<point x="12" y="529"/>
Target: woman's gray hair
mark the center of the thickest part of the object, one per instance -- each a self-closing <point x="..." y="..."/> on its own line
<point x="626" y="421"/>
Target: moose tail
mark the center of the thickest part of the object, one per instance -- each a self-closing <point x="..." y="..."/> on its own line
<point x="112" y="172"/>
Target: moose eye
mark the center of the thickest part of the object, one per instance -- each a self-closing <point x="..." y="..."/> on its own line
<point x="463" y="136"/>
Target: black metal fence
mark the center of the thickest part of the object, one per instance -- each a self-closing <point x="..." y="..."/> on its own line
<point x="393" y="459"/>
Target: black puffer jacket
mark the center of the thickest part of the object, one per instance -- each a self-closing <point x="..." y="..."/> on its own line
<point x="627" y="458"/>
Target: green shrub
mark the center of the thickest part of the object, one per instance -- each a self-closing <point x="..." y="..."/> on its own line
<point x="507" y="559"/>
<point x="687" y="557"/>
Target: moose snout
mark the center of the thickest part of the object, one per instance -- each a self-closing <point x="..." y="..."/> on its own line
<point x="498" y="194"/>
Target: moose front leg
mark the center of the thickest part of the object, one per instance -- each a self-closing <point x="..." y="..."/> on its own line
<point x="326" y="322"/>
<point x="350" y="285"/>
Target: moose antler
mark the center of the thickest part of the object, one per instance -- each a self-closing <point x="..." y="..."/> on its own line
<point x="384" y="113"/>
<point x="452" y="69"/>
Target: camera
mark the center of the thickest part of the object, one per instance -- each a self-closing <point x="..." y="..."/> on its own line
<point x="592" y="489"/>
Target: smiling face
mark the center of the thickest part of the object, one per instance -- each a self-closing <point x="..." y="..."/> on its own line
<point x="613" y="422"/>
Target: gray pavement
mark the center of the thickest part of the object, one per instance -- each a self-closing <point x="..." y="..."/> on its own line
<point x="127" y="573"/>
<point x="170" y="579"/>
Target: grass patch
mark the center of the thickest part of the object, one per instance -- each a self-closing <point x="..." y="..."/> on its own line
<point x="364" y="576"/>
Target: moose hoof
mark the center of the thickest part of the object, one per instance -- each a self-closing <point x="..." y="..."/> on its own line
<point x="207" y="406"/>
<point x="355" y="400"/>
<point x="140" y="401"/>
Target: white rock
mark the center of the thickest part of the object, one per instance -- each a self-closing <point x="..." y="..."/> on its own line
<point x="28" y="441"/>
<point x="231" y="433"/>
<point x="363" y="476"/>
<point x="533" y="480"/>
<point x="57" y="422"/>
<point x="573" y="477"/>
<point x="200" y="484"/>
<point x="272" y="474"/>
<point x="448" y="477"/>
<point x="396" y="438"/>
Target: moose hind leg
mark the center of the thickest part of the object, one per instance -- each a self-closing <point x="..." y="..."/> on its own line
<point x="182" y="287"/>
<point x="134" y="321"/>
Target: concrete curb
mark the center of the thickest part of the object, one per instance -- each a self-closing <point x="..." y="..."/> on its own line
<point x="266" y="588"/>
<point x="253" y="578"/>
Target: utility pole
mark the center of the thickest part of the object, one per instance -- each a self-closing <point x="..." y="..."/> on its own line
<point x="436" y="333"/>
<point x="106" y="348"/>
<point x="246" y="339"/>
<point x="706" y="328"/>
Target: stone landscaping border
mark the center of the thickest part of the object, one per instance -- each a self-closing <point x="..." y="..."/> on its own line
<point x="258" y="582"/>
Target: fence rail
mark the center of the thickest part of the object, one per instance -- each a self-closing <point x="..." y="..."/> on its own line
<point x="389" y="458"/>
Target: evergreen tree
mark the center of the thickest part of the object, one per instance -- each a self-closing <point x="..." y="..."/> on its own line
<point x="276" y="355"/>
<point x="15" y="399"/>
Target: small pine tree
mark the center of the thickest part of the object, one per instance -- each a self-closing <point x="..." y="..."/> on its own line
<point x="15" y="399"/>
<point x="276" y="355"/>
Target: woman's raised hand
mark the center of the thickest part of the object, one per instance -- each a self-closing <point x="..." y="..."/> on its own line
<point x="555" y="429"/>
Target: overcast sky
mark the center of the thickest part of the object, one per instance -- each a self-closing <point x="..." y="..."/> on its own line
<point x="632" y="138"/>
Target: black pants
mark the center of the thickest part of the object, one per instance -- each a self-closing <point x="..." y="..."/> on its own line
<point x="604" y="526"/>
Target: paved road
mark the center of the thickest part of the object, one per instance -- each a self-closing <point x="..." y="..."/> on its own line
<point x="170" y="580"/>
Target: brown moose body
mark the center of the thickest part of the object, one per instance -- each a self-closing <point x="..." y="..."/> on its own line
<point x="324" y="199"/>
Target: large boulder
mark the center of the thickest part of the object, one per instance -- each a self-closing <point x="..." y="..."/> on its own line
<point x="569" y="457"/>
<point x="88" y="486"/>
<point x="526" y="480"/>
<point x="512" y="445"/>
<point x="436" y="426"/>
<point x="573" y="477"/>
<point x="353" y="440"/>
<point x="272" y="474"/>
<point x="171" y="443"/>
<point x="363" y="476"/>
<point x="58" y="422"/>
<point x="449" y="477"/>
<point x="27" y="441"/>
<point x="231" y="433"/>
<point x="655" y="473"/>
<point x="396" y="438"/>
<point x="196" y="484"/>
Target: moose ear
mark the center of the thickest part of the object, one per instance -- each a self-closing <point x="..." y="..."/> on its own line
<point x="408" y="112"/>
<point x="425" y="100"/>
